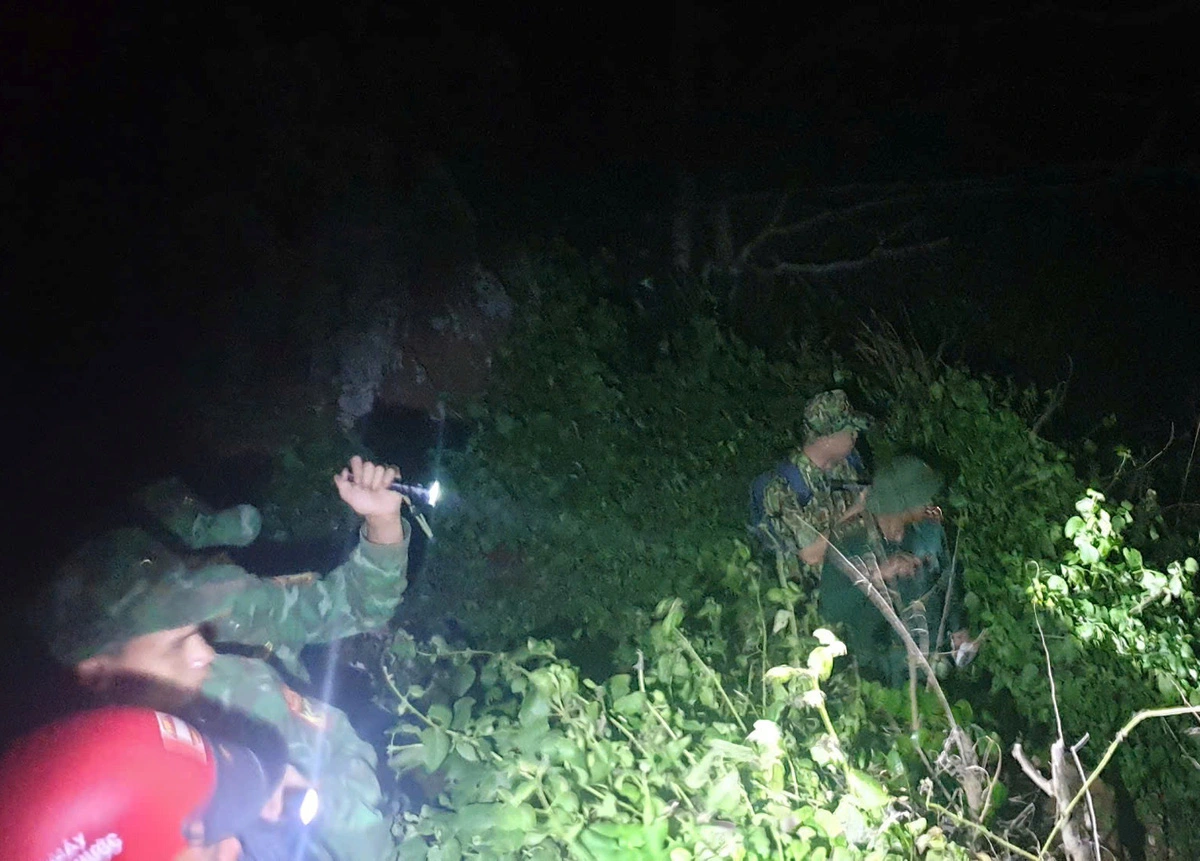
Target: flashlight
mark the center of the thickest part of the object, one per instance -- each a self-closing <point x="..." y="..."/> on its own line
<point x="428" y="495"/>
<point x="301" y="805"/>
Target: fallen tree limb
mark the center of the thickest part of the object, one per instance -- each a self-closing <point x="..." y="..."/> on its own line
<point x="877" y="255"/>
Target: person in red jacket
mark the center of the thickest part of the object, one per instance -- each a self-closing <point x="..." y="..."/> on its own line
<point x="133" y="784"/>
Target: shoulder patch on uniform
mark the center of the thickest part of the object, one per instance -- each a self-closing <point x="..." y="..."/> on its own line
<point x="303" y="708"/>
<point x="181" y="737"/>
<point x="301" y="579"/>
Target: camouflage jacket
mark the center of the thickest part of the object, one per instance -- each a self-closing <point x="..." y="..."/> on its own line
<point x="797" y="525"/>
<point x="284" y="614"/>
<point x="322" y="744"/>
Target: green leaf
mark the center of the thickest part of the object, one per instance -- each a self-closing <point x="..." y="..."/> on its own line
<point x="462" y="713"/>
<point x="413" y="849"/>
<point x="464" y="677"/>
<point x="618" y="686"/>
<point x="535" y="707"/>
<point x="630" y="704"/>
<point x="827" y="822"/>
<point x="407" y="757"/>
<point x="437" y="745"/>
<point x="725" y="794"/>
<point x="867" y="792"/>
<point x="441" y="715"/>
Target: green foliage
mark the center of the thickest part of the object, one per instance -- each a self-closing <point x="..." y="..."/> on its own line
<point x="299" y="504"/>
<point x="1135" y="628"/>
<point x="609" y="473"/>
<point x="606" y="477"/>
<point x="1120" y="634"/>
<point x="674" y="761"/>
<point x="1005" y="503"/>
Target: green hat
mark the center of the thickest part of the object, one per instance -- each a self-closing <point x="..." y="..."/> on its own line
<point x="125" y="584"/>
<point x="904" y="484"/>
<point x="830" y="412"/>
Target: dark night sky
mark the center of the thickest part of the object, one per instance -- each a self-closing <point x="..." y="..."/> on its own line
<point x="114" y="122"/>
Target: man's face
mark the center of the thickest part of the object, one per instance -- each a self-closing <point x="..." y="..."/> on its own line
<point x="841" y="444"/>
<point x="179" y="659"/>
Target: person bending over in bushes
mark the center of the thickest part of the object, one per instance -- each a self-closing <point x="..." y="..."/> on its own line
<point x="902" y="532"/>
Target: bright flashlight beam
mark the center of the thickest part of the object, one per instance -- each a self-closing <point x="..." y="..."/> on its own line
<point x="435" y="493"/>
<point x="309" y="806"/>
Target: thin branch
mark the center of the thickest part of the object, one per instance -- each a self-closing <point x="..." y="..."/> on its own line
<point x="1140" y="468"/>
<point x="874" y="592"/>
<point x="1120" y="737"/>
<point x="937" y="644"/>
<point x="1057" y="396"/>
<point x="990" y="835"/>
<point x="1031" y="770"/>
<point x="767" y="232"/>
<point x="877" y="255"/>
<point x="1188" y="469"/>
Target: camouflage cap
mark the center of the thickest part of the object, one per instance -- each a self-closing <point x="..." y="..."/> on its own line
<point x="830" y="412"/>
<point x="904" y="484"/>
<point x="125" y="584"/>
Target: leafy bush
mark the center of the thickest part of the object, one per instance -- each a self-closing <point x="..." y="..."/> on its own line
<point x="674" y="761"/>
<point x="1120" y="635"/>
<point x="609" y="474"/>
<point x="605" y="479"/>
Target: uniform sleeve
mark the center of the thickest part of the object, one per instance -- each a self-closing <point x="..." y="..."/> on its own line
<point x="788" y="518"/>
<point x="359" y="595"/>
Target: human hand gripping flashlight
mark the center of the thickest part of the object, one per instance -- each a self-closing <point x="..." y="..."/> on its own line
<point x="420" y="493"/>
<point x="428" y="495"/>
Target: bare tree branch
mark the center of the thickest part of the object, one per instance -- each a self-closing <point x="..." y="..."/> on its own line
<point x="1057" y="396"/>
<point x="865" y="574"/>
<point x="1031" y="770"/>
<point x="877" y="255"/>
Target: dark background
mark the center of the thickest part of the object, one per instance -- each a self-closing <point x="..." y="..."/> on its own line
<point x="147" y="154"/>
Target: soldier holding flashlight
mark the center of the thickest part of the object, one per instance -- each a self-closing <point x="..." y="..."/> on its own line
<point x="135" y="623"/>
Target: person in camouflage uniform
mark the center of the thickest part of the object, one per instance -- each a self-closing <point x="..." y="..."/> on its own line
<point x="802" y="529"/>
<point x="135" y="622"/>
<point x="902" y="533"/>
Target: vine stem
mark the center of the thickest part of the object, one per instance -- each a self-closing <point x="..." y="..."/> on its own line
<point x="858" y="575"/>
<point x="404" y="701"/>
<point x="694" y="655"/>
<point x="636" y="743"/>
<point x="990" y="835"/>
<point x="1120" y="737"/>
<point x="409" y="707"/>
<point x="641" y="669"/>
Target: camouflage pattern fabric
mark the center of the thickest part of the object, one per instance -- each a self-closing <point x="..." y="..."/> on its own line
<point x="323" y="745"/>
<point x="796" y="526"/>
<point x="192" y="521"/>
<point x="830" y="412"/>
<point x="285" y="614"/>
<point x="144" y="588"/>
<point x="150" y="589"/>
